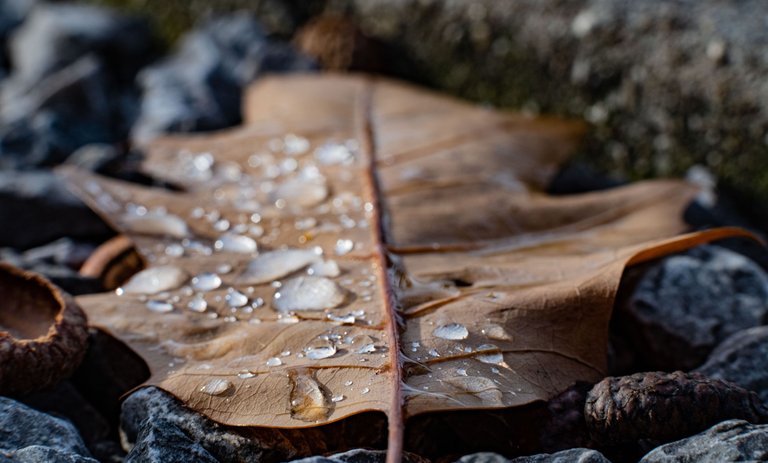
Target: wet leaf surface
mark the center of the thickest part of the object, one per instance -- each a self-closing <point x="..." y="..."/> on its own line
<point x="360" y="245"/>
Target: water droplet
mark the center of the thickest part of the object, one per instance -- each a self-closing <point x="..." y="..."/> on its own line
<point x="216" y="386"/>
<point x="327" y="268"/>
<point x="433" y="353"/>
<point x="155" y="279"/>
<point x="159" y="306"/>
<point x="366" y="349"/>
<point x="333" y="153"/>
<point x="345" y="319"/>
<point x="452" y="331"/>
<point x="156" y="223"/>
<point x="206" y="281"/>
<point x="294" y="145"/>
<point x="300" y="191"/>
<point x="348" y="383"/>
<point x="319" y="352"/>
<point x="461" y="372"/>
<point x="235" y="299"/>
<point x="274" y="362"/>
<point x="338" y="398"/>
<point x="221" y="225"/>
<point x="494" y="358"/>
<point x="197" y="304"/>
<point x="174" y="250"/>
<point x="365" y="390"/>
<point x="245" y="374"/>
<point x="305" y="223"/>
<point x="344" y="247"/>
<point x="308" y="293"/>
<point x="223" y="269"/>
<point x="230" y="242"/>
<point x="496" y="332"/>
<point x="482" y="388"/>
<point x="308" y="399"/>
<point x="277" y="264"/>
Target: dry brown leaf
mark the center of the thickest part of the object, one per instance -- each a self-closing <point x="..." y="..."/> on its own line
<point x="464" y="285"/>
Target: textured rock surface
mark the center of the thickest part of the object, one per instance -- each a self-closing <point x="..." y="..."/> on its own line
<point x="686" y="304"/>
<point x="359" y="456"/>
<point x="566" y="456"/>
<point x="742" y="359"/>
<point x="27" y="435"/>
<point x="732" y="440"/>
<point x="664" y="406"/>
<point x="200" y="87"/>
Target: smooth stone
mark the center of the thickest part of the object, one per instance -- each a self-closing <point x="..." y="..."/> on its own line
<point x="733" y="440"/>
<point x="359" y="456"/>
<point x="27" y="435"/>
<point x="578" y="455"/>
<point x="686" y="304"/>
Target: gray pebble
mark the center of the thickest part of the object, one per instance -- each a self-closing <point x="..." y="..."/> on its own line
<point x="732" y="440"/>
<point x="687" y="304"/>
<point x="742" y="359"/>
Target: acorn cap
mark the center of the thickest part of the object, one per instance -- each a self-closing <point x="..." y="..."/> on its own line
<point x="43" y="333"/>
<point x="114" y="262"/>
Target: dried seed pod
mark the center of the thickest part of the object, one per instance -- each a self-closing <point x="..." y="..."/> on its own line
<point x="114" y="262"/>
<point x="43" y="333"/>
<point x="664" y="406"/>
<point x="338" y="45"/>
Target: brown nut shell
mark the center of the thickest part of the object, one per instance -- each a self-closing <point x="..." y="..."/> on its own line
<point x="43" y="333"/>
<point x="114" y="262"/>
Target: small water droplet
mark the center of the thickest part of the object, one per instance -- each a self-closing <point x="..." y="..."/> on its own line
<point x="245" y="374"/>
<point x="155" y="279"/>
<point x="231" y="242"/>
<point x="433" y="353"/>
<point x="156" y="223"/>
<point x="365" y="390"/>
<point x="461" y="372"/>
<point x="338" y="398"/>
<point x="452" y="331"/>
<point x="274" y="362"/>
<point x="333" y="153"/>
<point x="174" y="250"/>
<point x="366" y="349"/>
<point x="216" y="386"/>
<point x="197" y="304"/>
<point x="308" y="293"/>
<point x="207" y="281"/>
<point x="320" y="351"/>
<point x="235" y="299"/>
<point x="344" y="319"/>
<point x="159" y="306"/>
<point x="305" y="223"/>
<point x="348" y="383"/>
<point x="221" y="225"/>
<point x="496" y="332"/>
<point x="300" y="191"/>
<point x="343" y="247"/>
<point x="495" y="358"/>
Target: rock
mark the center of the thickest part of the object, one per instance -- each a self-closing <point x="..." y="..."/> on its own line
<point x="688" y="303"/>
<point x="566" y="456"/>
<point x="742" y="359"/>
<point x="200" y="87"/>
<point x="664" y="406"/>
<point x="27" y="435"/>
<point x="97" y="157"/>
<point x="733" y="440"/>
<point x="157" y="428"/>
<point x="36" y="208"/>
<point x="56" y="35"/>
<point x="358" y="456"/>
<point x="12" y="13"/>
<point x="565" y="427"/>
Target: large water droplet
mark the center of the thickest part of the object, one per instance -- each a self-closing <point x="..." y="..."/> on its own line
<point x="302" y="192"/>
<point x="156" y="223"/>
<point x="452" y="331"/>
<point x="155" y="280"/>
<point x="216" y="386"/>
<point x="197" y="304"/>
<point x="338" y="398"/>
<point x="320" y="351"/>
<point x="231" y="242"/>
<point x="344" y="247"/>
<point x="159" y="306"/>
<point x="333" y="153"/>
<point x="277" y="264"/>
<point x="496" y="332"/>
<point x="327" y="268"/>
<point x="235" y="299"/>
<point x="494" y="358"/>
<point x="308" y="293"/>
<point x="274" y="362"/>
<point x="206" y="281"/>
<point x="308" y="399"/>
